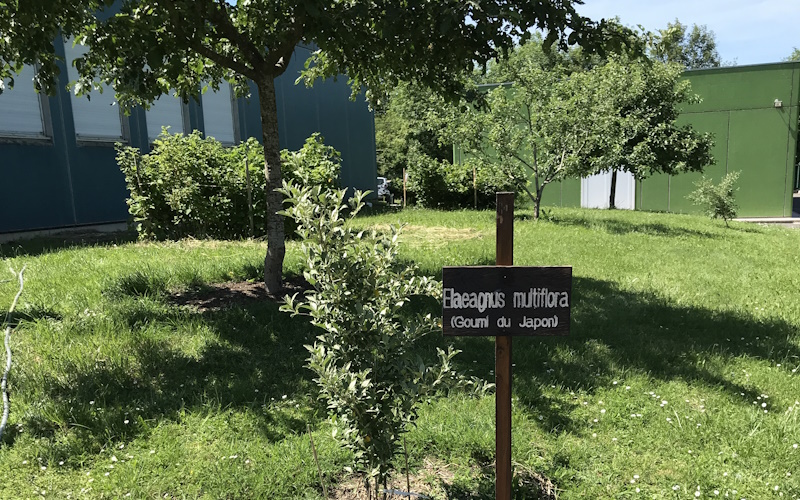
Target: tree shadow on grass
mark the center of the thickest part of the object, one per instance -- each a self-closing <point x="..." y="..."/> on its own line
<point x="249" y="357"/>
<point x="49" y="244"/>
<point x="616" y="331"/>
<point x="617" y="226"/>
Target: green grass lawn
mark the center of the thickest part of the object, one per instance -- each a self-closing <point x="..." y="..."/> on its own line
<point x="678" y="380"/>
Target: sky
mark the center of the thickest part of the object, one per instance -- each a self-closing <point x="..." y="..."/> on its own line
<point x="747" y="31"/>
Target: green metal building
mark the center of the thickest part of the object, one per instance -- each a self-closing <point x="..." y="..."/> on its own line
<point x="57" y="159"/>
<point x="753" y="113"/>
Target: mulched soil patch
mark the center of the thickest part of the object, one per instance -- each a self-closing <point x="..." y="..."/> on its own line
<point x="235" y="294"/>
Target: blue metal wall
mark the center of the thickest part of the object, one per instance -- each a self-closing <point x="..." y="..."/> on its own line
<point x="60" y="183"/>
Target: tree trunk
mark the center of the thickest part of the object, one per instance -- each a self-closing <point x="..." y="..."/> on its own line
<point x="276" y="246"/>
<point x="613" y="196"/>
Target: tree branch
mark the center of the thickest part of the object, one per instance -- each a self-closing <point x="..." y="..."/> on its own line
<point x="4" y="383"/>
<point x="222" y="19"/>
<point x="279" y="57"/>
<point x="224" y="60"/>
<point x="196" y="41"/>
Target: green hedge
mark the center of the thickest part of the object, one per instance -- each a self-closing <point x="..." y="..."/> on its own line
<point x="190" y="186"/>
<point x="441" y="184"/>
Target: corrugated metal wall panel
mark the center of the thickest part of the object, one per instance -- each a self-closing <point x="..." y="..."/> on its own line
<point x="20" y="107"/>
<point x="63" y="182"/>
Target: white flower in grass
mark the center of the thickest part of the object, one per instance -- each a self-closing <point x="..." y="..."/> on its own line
<point x="638" y="490"/>
<point x="152" y="451"/>
<point x="113" y="458"/>
<point x="603" y="410"/>
<point x="676" y="488"/>
<point x="716" y="492"/>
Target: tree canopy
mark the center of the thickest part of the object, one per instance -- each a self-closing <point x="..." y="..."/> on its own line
<point x="146" y="48"/>
<point x="693" y="48"/>
<point x="555" y="121"/>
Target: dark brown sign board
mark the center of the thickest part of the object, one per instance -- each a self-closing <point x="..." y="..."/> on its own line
<point x="506" y="300"/>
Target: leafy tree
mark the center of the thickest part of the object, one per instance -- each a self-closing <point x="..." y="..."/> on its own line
<point x="409" y="120"/>
<point x="542" y="127"/>
<point x="555" y="121"/>
<point x="717" y="200"/>
<point x="144" y="48"/>
<point x="693" y="49"/>
<point x="795" y="55"/>
<point x="370" y="365"/>
<point x="643" y="137"/>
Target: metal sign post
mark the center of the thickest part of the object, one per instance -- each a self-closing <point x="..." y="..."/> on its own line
<point x="504" y="256"/>
<point x="505" y="301"/>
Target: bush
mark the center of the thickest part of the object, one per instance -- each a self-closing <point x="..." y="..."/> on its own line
<point x="716" y="200"/>
<point x="441" y="184"/>
<point x="190" y="186"/>
<point x="367" y="357"/>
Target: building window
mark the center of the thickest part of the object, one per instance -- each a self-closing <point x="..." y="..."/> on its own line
<point x="218" y="115"/>
<point x="97" y="116"/>
<point x="23" y="112"/>
<point x="166" y="111"/>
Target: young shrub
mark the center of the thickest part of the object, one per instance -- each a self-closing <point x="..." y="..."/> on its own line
<point x="315" y="164"/>
<point x="190" y="186"/>
<point x="367" y="357"/>
<point x="716" y="200"/>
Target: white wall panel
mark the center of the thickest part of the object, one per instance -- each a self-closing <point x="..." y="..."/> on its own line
<point x="218" y="114"/>
<point x="21" y="107"/>
<point x="596" y="189"/>
<point x="97" y="117"/>
<point x="167" y="111"/>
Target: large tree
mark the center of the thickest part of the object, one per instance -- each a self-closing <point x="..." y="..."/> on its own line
<point x="644" y="98"/>
<point x="554" y="120"/>
<point x="145" y="48"/>
<point x="693" y="48"/>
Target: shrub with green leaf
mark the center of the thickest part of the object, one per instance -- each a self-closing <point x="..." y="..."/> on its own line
<point x="367" y="358"/>
<point x="716" y="200"/>
<point x="441" y="184"/>
<point x="191" y="186"/>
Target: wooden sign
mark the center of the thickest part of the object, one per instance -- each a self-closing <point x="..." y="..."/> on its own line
<point x="506" y="300"/>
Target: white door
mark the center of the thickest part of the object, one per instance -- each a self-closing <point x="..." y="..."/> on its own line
<point x="596" y="189"/>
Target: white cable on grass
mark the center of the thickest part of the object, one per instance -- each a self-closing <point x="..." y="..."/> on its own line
<point x="4" y="383"/>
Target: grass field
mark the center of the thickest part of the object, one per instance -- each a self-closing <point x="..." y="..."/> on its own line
<point x="679" y="378"/>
